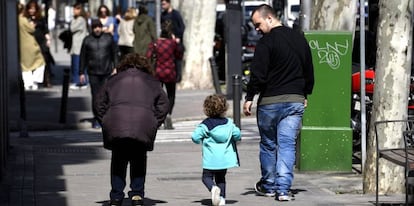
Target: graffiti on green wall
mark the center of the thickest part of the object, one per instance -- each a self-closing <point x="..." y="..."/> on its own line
<point x="330" y="52"/>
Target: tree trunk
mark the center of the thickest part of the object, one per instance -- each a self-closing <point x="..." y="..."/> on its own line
<point x="391" y="91"/>
<point x="199" y="18"/>
<point x="333" y="15"/>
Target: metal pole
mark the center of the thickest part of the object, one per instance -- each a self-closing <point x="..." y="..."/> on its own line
<point x="158" y="17"/>
<point x="4" y="127"/>
<point x="285" y="12"/>
<point x="55" y="30"/>
<point x="236" y="99"/>
<point x="233" y="42"/>
<point x="23" y="114"/>
<point x="216" y="81"/>
<point x="363" y="109"/>
<point x="64" y="100"/>
<point x="305" y="14"/>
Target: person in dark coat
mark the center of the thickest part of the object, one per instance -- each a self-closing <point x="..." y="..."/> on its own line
<point x="144" y="31"/>
<point x="97" y="58"/>
<point x="130" y="107"/>
<point x="166" y="50"/>
<point x="178" y="27"/>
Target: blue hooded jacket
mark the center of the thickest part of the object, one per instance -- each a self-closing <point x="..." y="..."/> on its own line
<point x="218" y="137"/>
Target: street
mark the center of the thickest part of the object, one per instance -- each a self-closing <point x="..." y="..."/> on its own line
<point x="70" y="167"/>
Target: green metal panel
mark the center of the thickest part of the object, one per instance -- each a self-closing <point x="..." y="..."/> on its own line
<point x="326" y="138"/>
<point x="325" y="149"/>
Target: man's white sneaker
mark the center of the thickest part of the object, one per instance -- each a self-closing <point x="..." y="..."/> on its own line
<point x="285" y="197"/>
<point x="74" y="87"/>
<point x="261" y="191"/>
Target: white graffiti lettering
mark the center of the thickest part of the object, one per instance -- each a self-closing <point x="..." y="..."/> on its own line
<point x="330" y="52"/>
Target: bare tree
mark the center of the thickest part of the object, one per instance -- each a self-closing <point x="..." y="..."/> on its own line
<point x="333" y="15"/>
<point x="394" y="40"/>
<point x="199" y="17"/>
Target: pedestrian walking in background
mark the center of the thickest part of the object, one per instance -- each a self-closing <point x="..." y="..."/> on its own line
<point x="130" y="107"/>
<point x="108" y="22"/>
<point x="178" y="27"/>
<point x="218" y="136"/>
<point x="144" y="31"/>
<point x="126" y="32"/>
<point x="31" y="59"/>
<point x="51" y="17"/>
<point x="79" y="29"/>
<point x="33" y="13"/>
<point x="282" y="74"/>
<point x="98" y="59"/>
<point x="166" y="51"/>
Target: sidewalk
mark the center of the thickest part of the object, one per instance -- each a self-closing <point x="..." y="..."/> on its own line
<point x="66" y="165"/>
<point x="70" y="167"/>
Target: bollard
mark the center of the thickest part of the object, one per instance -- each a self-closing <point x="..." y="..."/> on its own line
<point x="236" y="99"/>
<point x="23" y="114"/>
<point x="64" y="100"/>
<point x="214" y="72"/>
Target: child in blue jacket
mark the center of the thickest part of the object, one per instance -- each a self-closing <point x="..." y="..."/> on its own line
<point x="218" y="136"/>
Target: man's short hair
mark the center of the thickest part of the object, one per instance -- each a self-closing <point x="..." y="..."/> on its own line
<point x="265" y="10"/>
<point x="96" y="23"/>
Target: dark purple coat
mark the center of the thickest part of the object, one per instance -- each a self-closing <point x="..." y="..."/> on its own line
<point x="131" y="104"/>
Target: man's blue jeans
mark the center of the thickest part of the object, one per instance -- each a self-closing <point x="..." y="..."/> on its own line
<point x="279" y="125"/>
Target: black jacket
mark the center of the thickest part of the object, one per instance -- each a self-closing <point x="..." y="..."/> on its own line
<point x="282" y="64"/>
<point x="177" y="22"/>
<point x="98" y="55"/>
<point x="131" y="104"/>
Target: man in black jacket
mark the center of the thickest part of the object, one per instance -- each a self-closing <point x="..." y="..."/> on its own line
<point x="98" y="57"/>
<point x="282" y="73"/>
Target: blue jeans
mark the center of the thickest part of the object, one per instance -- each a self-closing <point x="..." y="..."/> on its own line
<point x="279" y="124"/>
<point x="75" y="66"/>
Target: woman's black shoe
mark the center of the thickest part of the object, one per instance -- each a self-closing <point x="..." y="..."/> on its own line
<point x="115" y="203"/>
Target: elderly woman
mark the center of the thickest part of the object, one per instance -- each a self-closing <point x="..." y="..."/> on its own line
<point x="130" y="107"/>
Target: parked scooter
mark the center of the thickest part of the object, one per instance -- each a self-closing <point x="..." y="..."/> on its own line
<point x="369" y="92"/>
<point x="356" y="103"/>
<point x="247" y="57"/>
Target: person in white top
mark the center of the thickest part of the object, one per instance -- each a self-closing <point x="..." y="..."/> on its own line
<point x="126" y="32"/>
<point x="79" y="30"/>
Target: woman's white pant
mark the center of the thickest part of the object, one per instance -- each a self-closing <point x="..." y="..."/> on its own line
<point x="31" y="78"/>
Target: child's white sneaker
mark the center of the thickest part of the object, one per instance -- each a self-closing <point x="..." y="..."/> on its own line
<point x="215" y="195"/>
<point x="222" y="201"/>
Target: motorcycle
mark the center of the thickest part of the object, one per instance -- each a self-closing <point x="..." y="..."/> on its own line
<point x="247" y="57"/>
<point x="356" y="103"/>
<point x="369" y="92"/>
